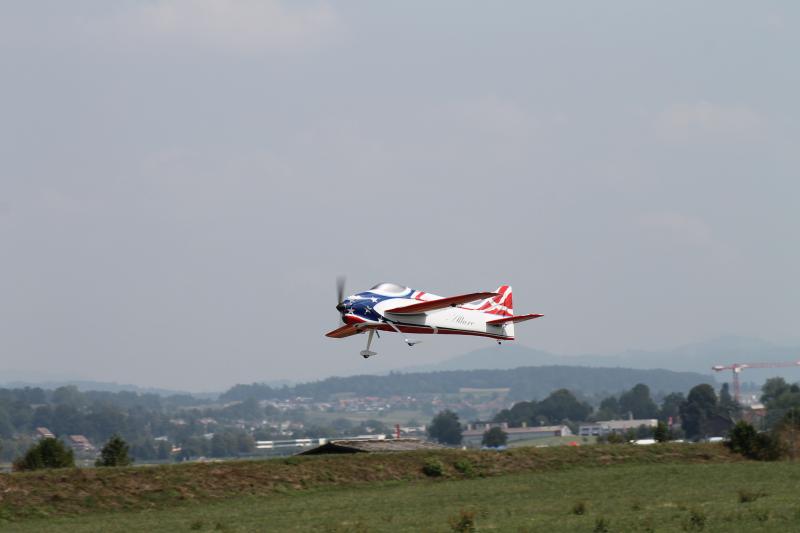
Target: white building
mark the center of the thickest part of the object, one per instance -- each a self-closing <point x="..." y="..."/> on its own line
<point x="473" y="435"/>
<point x="605" y="427"/>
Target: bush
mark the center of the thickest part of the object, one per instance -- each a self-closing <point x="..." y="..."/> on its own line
<point x="48" y="453"/>
<point x="465" y="467"/>
<point x="433" y="467"/>
<point x="579" y="508"/>
<point x="741" y="438"/>
<point x="744" y="439"/>
<point x="114" y="453"/>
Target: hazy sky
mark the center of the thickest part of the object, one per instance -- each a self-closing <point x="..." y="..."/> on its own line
<point x="182" y="180"/>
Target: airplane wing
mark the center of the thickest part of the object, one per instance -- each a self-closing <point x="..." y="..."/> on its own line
<point x="441" y="303"/>
<point x="344" y="331"/>
<point x="518" y="318"/>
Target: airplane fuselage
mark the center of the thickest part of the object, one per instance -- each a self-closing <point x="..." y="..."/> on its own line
<point x="371" y="309"/>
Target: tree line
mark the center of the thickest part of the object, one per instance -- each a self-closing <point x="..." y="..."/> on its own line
<point x="702" y="413"/>
<point x="138" y="418"/>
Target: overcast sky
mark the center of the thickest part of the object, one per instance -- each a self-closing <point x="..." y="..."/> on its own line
<point x="182" y="180"/>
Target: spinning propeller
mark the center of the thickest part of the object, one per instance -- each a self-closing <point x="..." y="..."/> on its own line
<point x="340" y="296"/>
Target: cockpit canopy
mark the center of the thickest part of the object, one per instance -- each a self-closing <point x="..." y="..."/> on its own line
<point x="389" y="288"/>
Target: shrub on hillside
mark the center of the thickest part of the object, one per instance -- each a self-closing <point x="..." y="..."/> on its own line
<point x="114" y="453"/>
<point x="433" y="467"/>
<point x="465" y="466"/>
<point x="48" y="453"/>
<point x="744" y="439"/>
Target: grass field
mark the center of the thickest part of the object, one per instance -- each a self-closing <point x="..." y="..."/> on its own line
<point x="645" y="497"/>
<point x="586" y="488"/>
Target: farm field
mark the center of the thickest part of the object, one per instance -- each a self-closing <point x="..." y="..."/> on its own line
<point x="729" y="497"/>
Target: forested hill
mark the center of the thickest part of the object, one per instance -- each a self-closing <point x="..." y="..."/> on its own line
<point x="526" y="383"/>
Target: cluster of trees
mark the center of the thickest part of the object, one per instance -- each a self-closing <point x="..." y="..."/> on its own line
<point x="137" y="418"/>
<point x="48" y="453"/>
<point x="150" y="424"/>
<point x="560" y="406"/>
<point x="637" y="403"/>
<point x="445" y="428"/>
<point x="780" y="399"/>
<point x="782" y="439"/>
<point x="702" y="412"/>
<point x="52" y="453"/>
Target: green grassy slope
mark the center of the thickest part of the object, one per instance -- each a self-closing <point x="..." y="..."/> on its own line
<point x="74" y="491"/>
<point x="635" y="497"/>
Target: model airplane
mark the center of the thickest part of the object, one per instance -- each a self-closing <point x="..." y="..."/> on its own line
<point x="391" y="307"/>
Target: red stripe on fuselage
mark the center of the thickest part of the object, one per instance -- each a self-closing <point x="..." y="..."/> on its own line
<point x="352" y="319"/>
<point x="420" y="330"/>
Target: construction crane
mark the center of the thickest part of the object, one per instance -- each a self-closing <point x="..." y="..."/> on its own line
<point x="738" y="367"/>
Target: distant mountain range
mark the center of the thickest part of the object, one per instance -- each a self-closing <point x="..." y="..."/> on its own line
<point x="523" y="383"/>
<point x="88" y="385"/>
<point x="697" y="357"/>
<point x="110" y="386"/>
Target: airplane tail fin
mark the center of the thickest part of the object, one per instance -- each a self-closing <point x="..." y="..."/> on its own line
<point x="500" y="305"/>
<point x="501" y="309"/>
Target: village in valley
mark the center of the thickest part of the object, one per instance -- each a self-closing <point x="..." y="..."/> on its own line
<point x="183" y="428"/>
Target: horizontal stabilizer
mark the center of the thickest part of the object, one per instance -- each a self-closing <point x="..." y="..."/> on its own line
<point x="344" y="331"/>
<point x="518" y="318"/>
<point x="441" y="303"/>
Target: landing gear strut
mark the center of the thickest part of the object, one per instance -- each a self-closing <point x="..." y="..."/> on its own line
<point x="410" y="342"/>
<point x="366" y="354"/>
